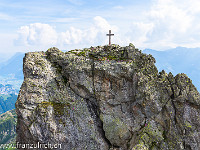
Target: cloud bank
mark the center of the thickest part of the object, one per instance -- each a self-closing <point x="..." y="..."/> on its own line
<point x="37" y="34"/>
<point x="45" y="35"/>
<point x="166" y="24"/>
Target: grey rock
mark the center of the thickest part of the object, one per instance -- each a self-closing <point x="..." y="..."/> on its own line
<point x="106" y="97"/>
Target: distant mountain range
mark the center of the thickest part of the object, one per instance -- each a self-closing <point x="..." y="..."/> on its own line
<point x="179" y="60"/>
<point x="8" y="89"/>
<point x="13" y="67"/>
<point x="11" y="78"/>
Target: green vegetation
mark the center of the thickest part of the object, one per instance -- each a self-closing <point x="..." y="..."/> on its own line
<point x="81" y="53"/>
<point x="7" y="102"/>
<point x="151" y="135"/>
<point x="59" y="108"/>
<point x="102" y="53"/>
<point x="8" y="122"/>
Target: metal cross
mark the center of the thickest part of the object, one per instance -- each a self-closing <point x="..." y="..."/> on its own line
<point x="110" y="36"/>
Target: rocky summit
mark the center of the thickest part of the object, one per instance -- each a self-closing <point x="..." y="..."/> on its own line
<point x="105" y="98"/>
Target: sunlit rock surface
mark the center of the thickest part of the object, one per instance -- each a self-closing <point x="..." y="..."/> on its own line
<point x="106" y="98"/>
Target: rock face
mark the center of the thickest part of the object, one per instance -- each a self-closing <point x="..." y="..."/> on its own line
<point x="105" y="98"/>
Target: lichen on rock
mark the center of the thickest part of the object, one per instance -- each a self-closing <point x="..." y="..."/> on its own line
<point x="106" y="97"/>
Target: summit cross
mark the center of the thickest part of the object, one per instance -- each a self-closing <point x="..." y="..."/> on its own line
<point x="110" y="36"/>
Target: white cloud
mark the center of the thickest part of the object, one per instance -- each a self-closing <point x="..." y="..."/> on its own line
<point x="41" y="35"/>
<point x="174" y="23"/>
<point x="171" y="15"/>
<point x="118" y="7"/>
<point x="159" y="24"/>
<point x="37" y="34"/>
<point x="140" y="32"/>
<point x="168" y="23"/>
<point x="96" y="34"/>
<point x="101" y="24"/>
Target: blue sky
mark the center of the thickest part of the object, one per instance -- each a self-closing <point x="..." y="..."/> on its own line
<point x="34" y="25"/>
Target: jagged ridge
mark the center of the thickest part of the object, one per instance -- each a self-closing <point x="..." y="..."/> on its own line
<point x="106" y="97"/>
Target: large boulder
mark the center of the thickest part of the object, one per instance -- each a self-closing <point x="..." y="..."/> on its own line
<point x="105" y="97"/>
